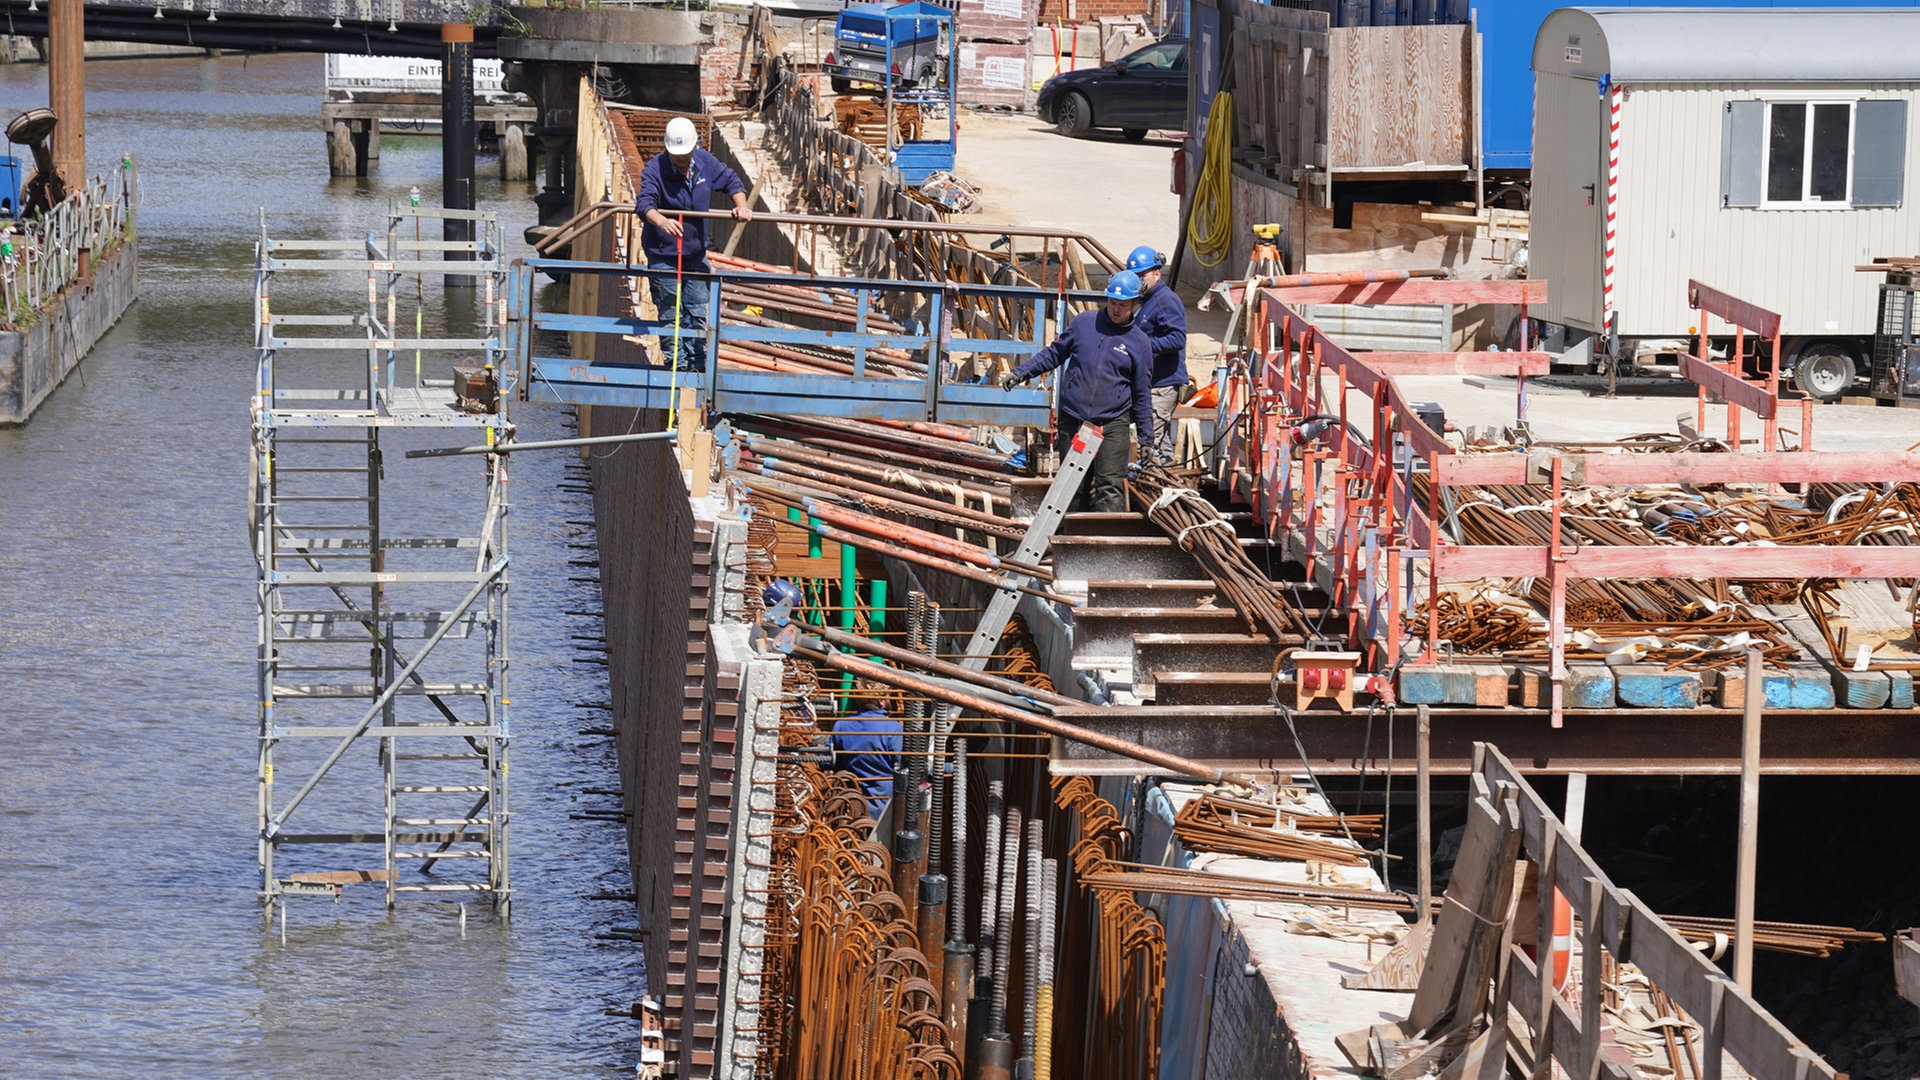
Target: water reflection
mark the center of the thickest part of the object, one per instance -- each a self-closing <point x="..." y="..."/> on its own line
<point x="131" y="941"/>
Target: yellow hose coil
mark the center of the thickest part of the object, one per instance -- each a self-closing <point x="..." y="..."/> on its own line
<point x="1210" y="221"/>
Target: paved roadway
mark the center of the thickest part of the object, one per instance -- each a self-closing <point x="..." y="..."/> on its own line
<point x="1118" y="193"/>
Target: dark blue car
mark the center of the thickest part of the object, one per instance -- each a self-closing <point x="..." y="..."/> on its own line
<point x="1142" y="91"/>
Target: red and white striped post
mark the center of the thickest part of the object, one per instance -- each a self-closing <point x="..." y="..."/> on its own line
<point x="1608" y="317"/>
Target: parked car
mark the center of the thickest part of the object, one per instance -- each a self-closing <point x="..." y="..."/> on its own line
<point x="1142" y="91"/>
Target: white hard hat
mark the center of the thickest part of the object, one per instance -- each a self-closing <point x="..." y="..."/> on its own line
<point x="681" y="136"/>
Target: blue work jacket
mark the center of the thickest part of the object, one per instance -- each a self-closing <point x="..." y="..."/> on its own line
<point x="867" y="745"/>
<point x="663" y="187"/>
<point x="1164" y="318"/>
<point x="1111" y="371"/>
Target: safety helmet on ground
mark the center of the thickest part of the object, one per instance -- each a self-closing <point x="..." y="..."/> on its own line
<point x="1124" y="285"/>
<point x="1143" y="258"/>
<point x="681" y="136"/>
<point x="780" y="591"/>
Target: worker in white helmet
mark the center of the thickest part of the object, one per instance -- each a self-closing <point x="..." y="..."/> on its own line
<point x="683" y="178"/>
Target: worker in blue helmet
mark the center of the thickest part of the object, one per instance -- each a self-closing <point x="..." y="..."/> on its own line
<point x="1108" y="384"/>
<point x="1164" y="318"/>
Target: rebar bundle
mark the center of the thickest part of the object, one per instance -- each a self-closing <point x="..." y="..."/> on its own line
<point x="1198" y="529"/>
<point x="1235" y="827"/>
<point x="1109" y="1023"/>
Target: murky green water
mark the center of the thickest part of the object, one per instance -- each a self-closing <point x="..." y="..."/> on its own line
<point x="131" y="937"/>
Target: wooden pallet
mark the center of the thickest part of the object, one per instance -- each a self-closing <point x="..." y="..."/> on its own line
<point x="866" y="120"/>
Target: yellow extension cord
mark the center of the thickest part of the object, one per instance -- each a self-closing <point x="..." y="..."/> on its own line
<point x="1210" y="221"/>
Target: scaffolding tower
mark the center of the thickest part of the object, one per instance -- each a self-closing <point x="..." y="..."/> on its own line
<point x="382" y="620"/>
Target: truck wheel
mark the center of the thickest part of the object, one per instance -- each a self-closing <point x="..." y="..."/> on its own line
<point x="1074" y="114"/>
<point x="840" y="85"/>
<point x="1825" y="372"/>
<point x="1134" y="134"/>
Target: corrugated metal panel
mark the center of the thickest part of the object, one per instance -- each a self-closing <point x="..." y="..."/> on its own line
<point x="1385" y="327"/>
<point x="1564" y="229"/>
<point x="1672" y="227"/>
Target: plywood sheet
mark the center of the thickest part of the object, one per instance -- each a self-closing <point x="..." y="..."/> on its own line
<point x="1400" y="96"/>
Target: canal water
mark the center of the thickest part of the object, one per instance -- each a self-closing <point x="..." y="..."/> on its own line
<point x="131" y="934"/>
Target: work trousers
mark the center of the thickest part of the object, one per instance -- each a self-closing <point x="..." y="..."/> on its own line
<point x="694" y="292"/>
<point x="1105" y="489"/>
<point x="1164" y="399"/>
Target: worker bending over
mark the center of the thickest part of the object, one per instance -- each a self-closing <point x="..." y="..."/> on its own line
<point x="1164" y="319"/>
<point x="683" y="178"/>
<point x="1108" y="382"/>
<point x="867" y="744"/>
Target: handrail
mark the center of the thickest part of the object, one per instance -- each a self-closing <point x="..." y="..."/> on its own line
<point x="1631" y="932"/>
<point x="55" y="249"/>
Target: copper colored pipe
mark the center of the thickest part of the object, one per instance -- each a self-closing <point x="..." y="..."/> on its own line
<point x="901" y="534"/>
<point x="972" y="573"/>
<point x="943" y="668"/>
<point x="1349" y="277"/>
<point x="939" y="692"/>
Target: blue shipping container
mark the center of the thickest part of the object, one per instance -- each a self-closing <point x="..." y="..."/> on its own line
<point x="1507" y="32"/>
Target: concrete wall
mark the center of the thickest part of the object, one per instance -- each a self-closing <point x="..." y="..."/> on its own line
<point x="676" y="716"/>
<point x="35" y="360"/>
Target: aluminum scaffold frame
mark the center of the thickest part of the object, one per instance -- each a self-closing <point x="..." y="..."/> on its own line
<point x="360" y="593"/>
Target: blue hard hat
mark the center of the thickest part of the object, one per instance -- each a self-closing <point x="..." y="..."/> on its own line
<point x="779" y="592"/>
<point x="1144" y="258"/>
<point x="1124" y="285"/>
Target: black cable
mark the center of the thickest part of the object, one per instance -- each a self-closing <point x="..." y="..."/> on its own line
<point x="1311" y="777"/>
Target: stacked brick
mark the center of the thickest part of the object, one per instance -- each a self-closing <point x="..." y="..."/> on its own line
<point x="991" y="64"/>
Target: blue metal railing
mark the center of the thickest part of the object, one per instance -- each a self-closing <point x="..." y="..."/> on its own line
<point x="928" y="337"/>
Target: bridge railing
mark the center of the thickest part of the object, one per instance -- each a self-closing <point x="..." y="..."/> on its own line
<point x="41" y="256"/>
<point x="870" y="349"/>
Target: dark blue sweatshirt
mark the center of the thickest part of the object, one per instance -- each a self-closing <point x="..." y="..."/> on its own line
<point x="867" y="744"/>
<point x="663" y="188"/>
<point x="1111" y="371"/>
<point x="1164" y="318"/>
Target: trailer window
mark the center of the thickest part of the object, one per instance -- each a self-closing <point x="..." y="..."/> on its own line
<point x="1799" y="155"/>
<point x="1809" y="146"/>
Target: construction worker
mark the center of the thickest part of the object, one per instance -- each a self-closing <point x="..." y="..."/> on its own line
<point x="683" y="178"/>
<point x="1164" y="318"/>
<point x="1108" y="383"/>
<point x="867" y="744"/>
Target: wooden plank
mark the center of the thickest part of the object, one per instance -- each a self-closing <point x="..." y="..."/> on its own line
<point x="1654" y="686"/>
<point x="1567" y="1048"/>
<point x="1854" y="689"/>
<point x="1481" y="888"/>
<point x="1761" y="1044"/>
<point x="1589" y="686"/>
<point x="1906" y="966"/>
<point x="1730" y="387"/>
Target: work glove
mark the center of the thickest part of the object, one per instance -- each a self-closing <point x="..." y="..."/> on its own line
<point x="1008" y="380"/>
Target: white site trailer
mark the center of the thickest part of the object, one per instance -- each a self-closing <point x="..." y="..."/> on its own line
<point x="1762" y="151"/>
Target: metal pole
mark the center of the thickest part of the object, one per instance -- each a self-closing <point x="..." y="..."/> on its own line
<point x="1749" y="823"/>
<point x="456" y="139"/>
<point x="894" y="677"/>
<point x="1423" y="779"/>
<point x="67" y="90"/>
<point x="547" y="444"/>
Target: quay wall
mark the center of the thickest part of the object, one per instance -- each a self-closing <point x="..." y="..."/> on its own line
<point x="35" y="360"/>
